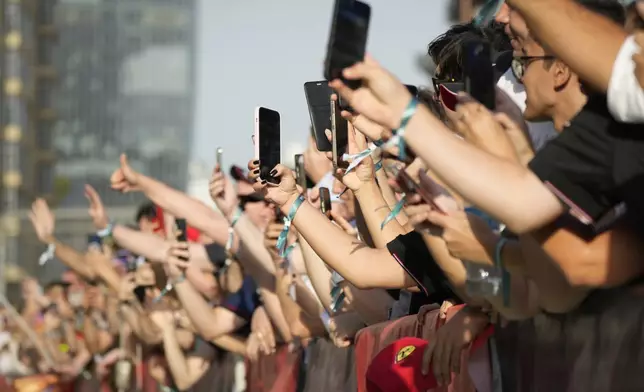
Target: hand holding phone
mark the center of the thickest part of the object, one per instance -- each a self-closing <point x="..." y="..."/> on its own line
<point x="347" y="39"/>
<point x="267" y="142"/>
<point x="220" y="152"/>
<point x="182" y="236"/>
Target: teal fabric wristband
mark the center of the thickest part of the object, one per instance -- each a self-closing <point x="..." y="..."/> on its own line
<point x="400" y="132"/>
<point x="281" y="240"/>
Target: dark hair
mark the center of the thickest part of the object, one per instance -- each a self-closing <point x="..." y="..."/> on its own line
<point x="146" y="210"/>
<point x="54" y="284"/>
<point x="447" y="50"/>
<point x="609" y="8"/>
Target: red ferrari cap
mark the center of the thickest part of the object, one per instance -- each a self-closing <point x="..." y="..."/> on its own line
<point x="397" y="368"/>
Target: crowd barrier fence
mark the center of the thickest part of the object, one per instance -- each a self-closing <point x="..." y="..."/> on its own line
<point x="476" y="373"/>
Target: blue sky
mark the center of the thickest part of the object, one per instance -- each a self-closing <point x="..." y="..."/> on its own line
<point x="259" y="53"/>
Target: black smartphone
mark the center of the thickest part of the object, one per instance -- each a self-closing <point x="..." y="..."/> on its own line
<point x="182" y="227"/>
<point x="339" y="135"/>
<point x="267" y="142"/>
<point x="317" y="99"/>
<point x="347" y="39"/>
<point x="479" y="74"/>
<point x="325" y="201"/>
<point x="300" y="173"/>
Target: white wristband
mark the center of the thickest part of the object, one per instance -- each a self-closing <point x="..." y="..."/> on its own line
<point x="47" y="255"/>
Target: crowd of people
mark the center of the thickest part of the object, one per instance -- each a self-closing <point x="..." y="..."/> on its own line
<point x="502" y="246"/>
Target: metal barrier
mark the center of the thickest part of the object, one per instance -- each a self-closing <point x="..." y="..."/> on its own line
<point x="372" y="339"/>
<point x="274" y="373"/>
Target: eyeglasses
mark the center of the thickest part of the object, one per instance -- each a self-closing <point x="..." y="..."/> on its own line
<point x="520" y="63"/>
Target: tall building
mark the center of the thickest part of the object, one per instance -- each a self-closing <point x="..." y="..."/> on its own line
<point x="126" y="85"/>
<point x="26" y="118"/>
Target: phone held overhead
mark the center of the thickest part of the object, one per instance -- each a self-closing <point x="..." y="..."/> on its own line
<point x="318" y="94"/>
<point x="300" y="173"/>
<point x="347" y="39"/>
<point x="267" y="142"/>
<point x="339" y="135"/>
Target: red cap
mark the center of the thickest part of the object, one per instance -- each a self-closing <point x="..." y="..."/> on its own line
<point x="398" y="367"/>
<point x="192" y="234"/>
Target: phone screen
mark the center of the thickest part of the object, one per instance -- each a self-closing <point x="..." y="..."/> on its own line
<point x="325" y="202"/>
<point x="317" y="99"/>
<point x="182" y="227"/>
<point x="300" y="173"/>
<point x="479" y="74"/>
<point x="347" y="39"/>
<point x="269" y="143"/>
<point x="339" y="135"/>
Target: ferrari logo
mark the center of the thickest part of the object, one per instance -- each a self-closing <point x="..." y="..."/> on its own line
<point x="404" y="353"/>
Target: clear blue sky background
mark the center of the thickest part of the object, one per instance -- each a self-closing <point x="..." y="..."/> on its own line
<point x="259" y="53"/>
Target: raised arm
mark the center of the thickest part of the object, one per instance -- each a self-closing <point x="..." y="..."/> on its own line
<point x="508" y="192"/>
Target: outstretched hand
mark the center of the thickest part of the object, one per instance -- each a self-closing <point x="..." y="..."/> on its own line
<point x="96" y="208"/>
<point x="381" y="97"/>
<point x="43" y="221"/>
<point x="223" y="192"/>
<point x="125" y="179"/>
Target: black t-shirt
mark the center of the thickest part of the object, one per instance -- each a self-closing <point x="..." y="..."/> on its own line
<point x="595" y="164"/>
<point x="411" y="252"/>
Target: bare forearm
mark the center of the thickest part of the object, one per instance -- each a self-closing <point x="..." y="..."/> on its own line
<point x="199" y="311"/>
<point x="506" y="191"/>
<point x="582" y="39"/>
<point x="90" y="334"/>
<point x="300" y="324"/>
<point x="141" y="324"/>
<point x="556" y="295"/>
<point x="275" y="312"/>
<point x="453" y="268"/>
<point x="148" y="245"/>
<point x="358" y="264"/>
<point x="375" y="210"/>
<point x="253" y="255"/>
<point x="74" y="260"/>
<point x="176" y="359"/>
<point x="319" y="274"/>
<point x="181" y="205"/>
<point x="230" y="343"/>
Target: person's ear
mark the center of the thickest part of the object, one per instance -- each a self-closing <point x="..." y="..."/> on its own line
<point x="561" y="73"/>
